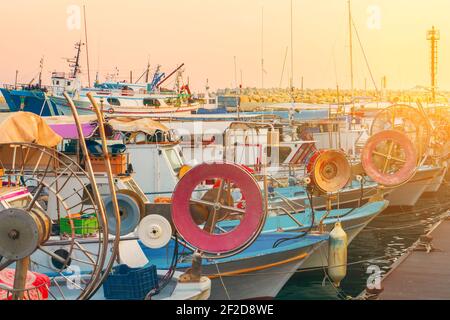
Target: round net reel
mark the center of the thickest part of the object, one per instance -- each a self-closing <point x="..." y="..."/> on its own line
<point x="440" y="142"/>
<point x="329" y="170"/>
<point x="131" y="210"/>
<point x="389" y="158"/>
<point x="50" y="223"/>
<point x="408" y="120"/>
<point x="440" y="138"/>
<point x="155" y="231"/>
<point x="246" y="207"/>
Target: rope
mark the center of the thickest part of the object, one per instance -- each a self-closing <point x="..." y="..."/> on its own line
<point x="221" y="280"/>
<point x="303" y="234"/>
<point x="365" y="57"/>
<point x="169" y="275"/>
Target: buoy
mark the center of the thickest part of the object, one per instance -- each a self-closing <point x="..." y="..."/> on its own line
<point x="337" y="254"/>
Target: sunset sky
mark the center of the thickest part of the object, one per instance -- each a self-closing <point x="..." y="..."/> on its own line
<point x="207" y="34"/>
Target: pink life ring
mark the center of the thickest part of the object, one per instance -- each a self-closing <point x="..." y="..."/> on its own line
<point x="223" y="243"/>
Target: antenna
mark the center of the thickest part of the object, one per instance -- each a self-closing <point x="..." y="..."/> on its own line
<point x="434" y="36"/>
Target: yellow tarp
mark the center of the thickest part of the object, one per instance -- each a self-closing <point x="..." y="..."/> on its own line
<point x="29" y="128"/>
<point x="132" y="125"/>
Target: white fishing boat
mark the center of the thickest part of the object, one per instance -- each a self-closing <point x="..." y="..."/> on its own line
<point x="125" y="103"/>
<point x="409" y="194"/>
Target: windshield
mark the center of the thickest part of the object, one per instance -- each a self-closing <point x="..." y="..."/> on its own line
<point x="174" y="160"/>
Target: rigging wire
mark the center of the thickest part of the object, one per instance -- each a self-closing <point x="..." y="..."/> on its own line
<point x="365" y="56"/>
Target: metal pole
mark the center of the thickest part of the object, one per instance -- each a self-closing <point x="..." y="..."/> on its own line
<point x="96" y="193"/>
<point x="292" y="48"/>
<point x="351" y="49"/>
<point x="87" y="48"/>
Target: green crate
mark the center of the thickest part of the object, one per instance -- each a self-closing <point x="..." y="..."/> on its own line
<point x="83" y="227"/>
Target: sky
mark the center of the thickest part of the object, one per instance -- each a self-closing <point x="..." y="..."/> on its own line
<point x="210" y="35"/>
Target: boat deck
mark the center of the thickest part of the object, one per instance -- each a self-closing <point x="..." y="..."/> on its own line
<point x="419" y="275"/>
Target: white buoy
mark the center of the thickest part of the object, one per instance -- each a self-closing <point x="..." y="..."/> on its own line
<point x="337" y="254"/>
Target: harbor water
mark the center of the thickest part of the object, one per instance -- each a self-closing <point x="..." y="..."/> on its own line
<point x="374" y="250"/>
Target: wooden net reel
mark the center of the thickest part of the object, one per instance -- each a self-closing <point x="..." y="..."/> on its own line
<point x="203" y="234"/>
<point x="389" y="158"/>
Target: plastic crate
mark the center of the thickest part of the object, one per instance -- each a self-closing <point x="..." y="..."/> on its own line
<point x="83" y="226"/>
<point x="118" y="164"/>
<point x="125" y="283"/>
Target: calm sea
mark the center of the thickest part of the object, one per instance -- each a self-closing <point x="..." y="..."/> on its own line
<point x="382" y="242"/>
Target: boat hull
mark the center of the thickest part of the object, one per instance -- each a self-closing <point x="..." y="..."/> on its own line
<point x="84" y="108"/>
<point x="29" y="101"/>
<point x="353" y="227"/>
<point x="437" y="182"/>
<point x="409" y="194"/>
<point x="259" y="278"/>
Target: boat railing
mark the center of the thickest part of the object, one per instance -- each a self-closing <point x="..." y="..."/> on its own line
<point x="27" y="87"/>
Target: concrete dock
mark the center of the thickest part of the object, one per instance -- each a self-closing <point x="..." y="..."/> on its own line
<point x="423" y="273"/>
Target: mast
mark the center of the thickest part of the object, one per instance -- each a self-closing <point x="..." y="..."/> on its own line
<point x="235" y="73"/>
<point x="284" y="65"/>
<point x="262" y="47"/>
<point x="147" y="72"/>
<point x="87" y="48"/>
<point x="41" y="67"/>
<point x="352" y="83"/>
<point x="292" y="49"/>
<point x="76" y="62"/>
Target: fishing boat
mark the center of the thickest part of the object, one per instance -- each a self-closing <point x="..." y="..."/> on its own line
<point x="127" y="103"/>
<point x="259" y="272"/>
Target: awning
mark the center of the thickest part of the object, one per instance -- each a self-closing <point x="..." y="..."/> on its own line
<point x="66" y="128"/>
<point x="145" y="125"/>
<point x="26" y="127"/>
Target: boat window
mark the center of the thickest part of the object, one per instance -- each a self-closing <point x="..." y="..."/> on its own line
<point x="170" y="101"/>
<point x="113" y="101"/>
<point x="284" y="152"/>
<point x="57" y="83"/>
<point x="151" y="102"/>
<point x="19" y="203"/>
<point x="212" y="101"/>
<point x="174" y="160"/>
<point x="68" y="83"/>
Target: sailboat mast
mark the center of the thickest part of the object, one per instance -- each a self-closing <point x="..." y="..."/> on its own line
<point x="262" y="47"/>
<point x="352" y="83"/>
<point x="292" y="48"/>
<point x="87" y="47"/>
